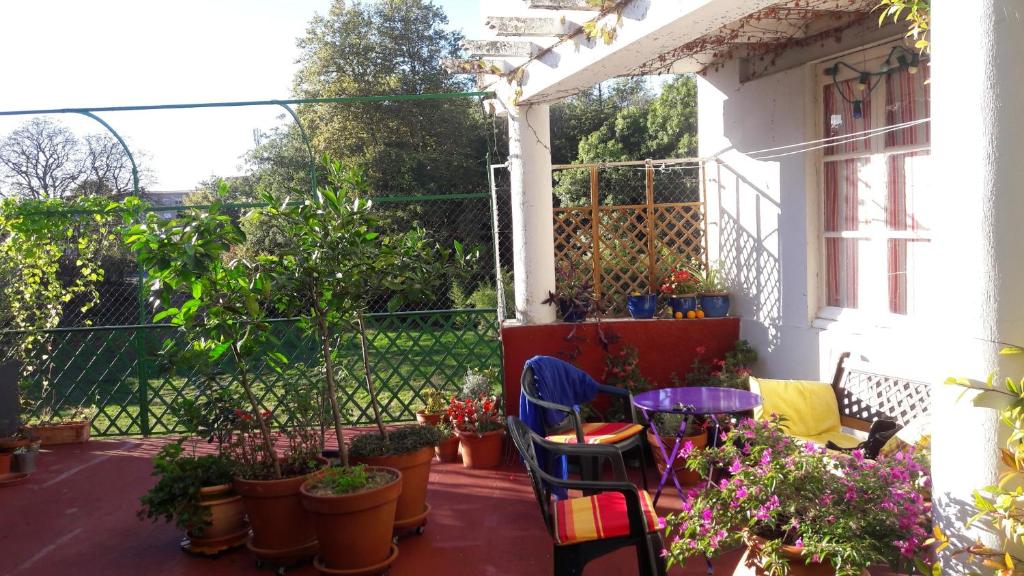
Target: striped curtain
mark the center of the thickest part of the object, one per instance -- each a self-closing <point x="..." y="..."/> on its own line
<point x="839" y="120"/>
<point x="842" y="200"/>
<point x="908" y="98"/>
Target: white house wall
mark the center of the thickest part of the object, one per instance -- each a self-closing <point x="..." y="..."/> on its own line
<point x="764" y="225"/>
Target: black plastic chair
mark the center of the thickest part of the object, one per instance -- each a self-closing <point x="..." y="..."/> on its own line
<point x="571" y="557"/>
<point x="574" y="423"/>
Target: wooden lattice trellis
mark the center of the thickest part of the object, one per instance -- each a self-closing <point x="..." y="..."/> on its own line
<point x="628" y="248"/>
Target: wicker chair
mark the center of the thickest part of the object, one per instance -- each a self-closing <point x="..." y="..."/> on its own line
<point x="616" y="514"/>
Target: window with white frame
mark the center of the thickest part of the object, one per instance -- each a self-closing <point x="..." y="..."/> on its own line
<point x="875" y="223"/>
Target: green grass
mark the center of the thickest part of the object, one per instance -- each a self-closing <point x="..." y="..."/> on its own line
<point x="406" y="353"/>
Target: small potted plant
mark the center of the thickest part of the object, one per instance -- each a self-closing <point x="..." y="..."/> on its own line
<point x="410" y="450"/>
<point x="481" y="430"/>
<point x="695" y="437"/>
<point x="353" y="509"/>
<point x="195" y="492"/>
<point x="434" y="405"/>
<point x="71" y="428"/>
<point x="447" y="449"/>
<point x="803" y="510"/>
<point x="24" y="458"/>
<point x="574" y="293"/>
<point x="714" y="292"/>
<point x="681" y="286"/>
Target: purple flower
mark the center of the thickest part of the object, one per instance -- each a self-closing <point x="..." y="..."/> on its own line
<point x="735" y="467"/>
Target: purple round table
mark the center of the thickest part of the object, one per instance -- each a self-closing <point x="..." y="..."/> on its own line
<point x="690" y="402"/>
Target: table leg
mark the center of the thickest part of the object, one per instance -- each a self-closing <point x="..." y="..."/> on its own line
<point x="669" y="457"/>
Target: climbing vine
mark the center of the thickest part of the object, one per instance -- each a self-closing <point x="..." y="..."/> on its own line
<point x="916" y="14"/>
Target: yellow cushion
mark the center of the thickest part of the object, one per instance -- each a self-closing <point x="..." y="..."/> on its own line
<point x="599" y="517"/>
<point x="809" y="408"/>
<point x="841" y="439"/>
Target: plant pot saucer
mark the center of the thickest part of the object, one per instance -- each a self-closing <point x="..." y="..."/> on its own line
<point x="414" y="523"/>
<point x="214" y="546"/>
<point x="287" y="556"/>
<point x="380" y="568"/>
<point x="13" y="478"/>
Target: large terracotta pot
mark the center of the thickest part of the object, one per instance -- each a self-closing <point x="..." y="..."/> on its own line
<point x="447" y="449"/>
<point x="798" y="565"/>
<point x="412" y="506"/>
<point x="431" y="419"/>
<point x="355" y="530"/>
<point x="228" y="526"/>
<point x="482" y="451"/>
<point x="689" y="477"/>
<point x="281" y="527"/>
<point x="66" y="433"/>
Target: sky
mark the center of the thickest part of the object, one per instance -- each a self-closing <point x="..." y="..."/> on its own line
<point x="74" y="53"/>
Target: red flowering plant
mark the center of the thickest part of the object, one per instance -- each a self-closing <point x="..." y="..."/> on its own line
<point x="622" y="370"/>
<point x="796" y="502"/>
<point x="475" y="416"/>
<point x="732" y="371"/>
<point x="680" y="281"/>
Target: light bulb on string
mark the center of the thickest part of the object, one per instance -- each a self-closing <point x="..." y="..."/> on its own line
<point x="858" y="109"/>
<point x="863" y="80"/>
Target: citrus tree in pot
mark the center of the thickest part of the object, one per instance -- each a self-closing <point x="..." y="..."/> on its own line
<point x="334" y="260"/>
<point x="218" y="302"/>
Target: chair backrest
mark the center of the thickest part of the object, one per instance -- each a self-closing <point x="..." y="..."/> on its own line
<point x="865" y="395"/>
<point x="523" y="437"/>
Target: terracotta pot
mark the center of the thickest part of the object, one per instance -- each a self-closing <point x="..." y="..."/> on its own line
<point x="688" y="477"/>
<point x="415" y="468"/>
<point x="482" y="451"/>
<point x="431" y="419"/>
<point x="355" y="530"/>
<point x="5" y="462"/>
<point x="447" y="449"/>
<point x="66" y="433"/>
<point x="228" y="526"/>
<point x="798" y="565"/>
<point x="281" y="527"/>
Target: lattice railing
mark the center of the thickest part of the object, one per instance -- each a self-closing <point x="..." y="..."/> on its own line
<point x="629" y="222"/>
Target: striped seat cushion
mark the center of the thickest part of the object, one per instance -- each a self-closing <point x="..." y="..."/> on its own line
<point x="599" y="517"/>
<point x="599" y="433"/>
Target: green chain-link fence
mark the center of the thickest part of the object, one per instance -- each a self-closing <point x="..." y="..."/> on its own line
<point x="106" y="357"/>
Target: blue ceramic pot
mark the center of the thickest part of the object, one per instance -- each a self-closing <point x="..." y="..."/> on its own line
<point x="714" y="305"/>
<point x="572" y="313"/>
<point x="683" y="304"/>
<point x="643" y="306"/>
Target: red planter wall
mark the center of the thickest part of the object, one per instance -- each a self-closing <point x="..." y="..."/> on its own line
<point x="664" y="347"/>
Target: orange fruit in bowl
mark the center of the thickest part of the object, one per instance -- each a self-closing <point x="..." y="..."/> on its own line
<point x="678" y="315"/>
<point x="691" y="314"/>
<point x="700" y="313"/>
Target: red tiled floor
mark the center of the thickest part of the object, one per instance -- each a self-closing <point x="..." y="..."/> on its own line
<point x="77" y="515"/>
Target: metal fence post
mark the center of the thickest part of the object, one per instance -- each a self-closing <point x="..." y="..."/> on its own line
<point x="595" y="230"/>
<point x="142" y="358"/>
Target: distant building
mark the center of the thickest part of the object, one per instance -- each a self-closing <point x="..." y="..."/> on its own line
<point x="165" y="200"/>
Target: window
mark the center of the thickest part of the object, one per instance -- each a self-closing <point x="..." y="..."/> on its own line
<point x="875" y="206"/>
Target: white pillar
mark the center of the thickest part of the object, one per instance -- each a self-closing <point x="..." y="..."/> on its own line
<point x="532" y="216"/>
<point x="978" y="147"/>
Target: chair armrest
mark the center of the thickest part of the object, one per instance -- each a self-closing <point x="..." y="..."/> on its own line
<point x="637" y="523"/>
<point x="613" y="390"/>
<point x="611" y="453"/>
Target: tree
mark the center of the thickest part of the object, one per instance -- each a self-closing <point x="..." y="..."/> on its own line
<point x="43" y="159"/>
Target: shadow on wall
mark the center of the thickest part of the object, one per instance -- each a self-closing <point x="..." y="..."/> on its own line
<point x="749" y="256"/>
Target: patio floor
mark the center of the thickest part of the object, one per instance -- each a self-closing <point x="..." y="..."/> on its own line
<point x="76" y="515"/>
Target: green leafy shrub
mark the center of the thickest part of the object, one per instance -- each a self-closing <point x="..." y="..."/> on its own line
<point x="176" y="495"/>
<point x="349" y="479"/>
<point x="399" y="441"/>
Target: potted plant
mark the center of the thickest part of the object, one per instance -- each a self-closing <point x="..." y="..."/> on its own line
<point x="447" y="449"/>
<point x="681" y="286"/>
<point x="24" y="458"/>
<point x="353" y="510"/>
<point x="410" y="450"/>
<point x="714" y="292"/>
<point x="642" y="306"/>
<point x="731" y="371"/>
<point x="219" y="302"/>
<point x="803" y="510"/>
<point x="195" y="492"/>
<point x="435" y="405"/>
<point x="574" y="293"/>
<point x="481" y="430"/>
<point x="71" y="428"/>
<point x="695" y="437"/>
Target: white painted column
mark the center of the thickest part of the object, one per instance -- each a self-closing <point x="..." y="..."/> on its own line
<point x="532" y="216"/>
<point x="978" y="147"/>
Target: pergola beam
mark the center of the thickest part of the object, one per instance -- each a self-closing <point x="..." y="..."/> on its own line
<point x="500" y="48"/>
<point x="527" y="26"/>
<point x="561" y="5"/>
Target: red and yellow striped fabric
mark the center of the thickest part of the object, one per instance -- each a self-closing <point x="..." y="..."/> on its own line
<point x="599" y="433"/>
<point x="599" y="517"/>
